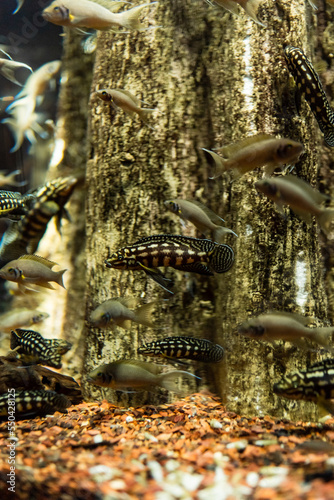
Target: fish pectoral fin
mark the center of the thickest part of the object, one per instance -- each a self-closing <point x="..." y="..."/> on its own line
<point x="126" y="324"/>
<point x="197" y="267"/>
<point x="156" y="275"/>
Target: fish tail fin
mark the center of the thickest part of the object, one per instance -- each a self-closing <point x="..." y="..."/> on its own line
<point x="59" y="278"/>
<point x="219" y="164"/>
<point x="169" y="380"/>
<point x="251" y="9"/>
<point x="16" y="131"/>
<point x="323" y="336"/>
<point x="9" y="73"/>
<point x="144" y="314"/>
<point x="220" y="231"/>
<point x="325" y="219"/>
<point x="145" y="114"/>
<point x="130" y="18"/>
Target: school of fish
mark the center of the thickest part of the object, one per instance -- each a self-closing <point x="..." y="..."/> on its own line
<point x="29" y="213"/>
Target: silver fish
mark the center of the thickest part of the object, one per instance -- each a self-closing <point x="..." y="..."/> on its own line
<point x="92" y="15"/>
<point x="123" y="99"/>
<point x="202" y="217"/>
<point x="32" y="269"/>
<point x="299" y="196"/>
<point x="20" y="317"/>
<point x="8" y="68"/>
<point x="285" y="326"/>
<point x="117" y="312"/>
<point x="249" y="6"/>
<point x="136" y="374"/>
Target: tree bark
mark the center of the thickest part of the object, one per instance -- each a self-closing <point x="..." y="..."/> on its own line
<point x="215" y="79"/>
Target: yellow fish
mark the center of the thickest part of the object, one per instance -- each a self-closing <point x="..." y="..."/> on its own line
<point x="256" y="151"/>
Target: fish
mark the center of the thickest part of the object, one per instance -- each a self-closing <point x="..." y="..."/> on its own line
<point x="311" y="88"/>
<point x="249" y="6"/>
<point x="92" y="15"/>
<point x="202" y="217"/>
<point x="32" y="269"/>
<point x="316" y="383"/>
<point x="256" y="151"/>
<point x="32" y="348"/>
<point x="184" y="347"/>
<point x="304" y="200"/>
<point x="24" y="123"/>
<point x="8" y="68"/>
<point x="169" y="250"/>
<point x="8" y="179"/>
<point x="37" y="83"/>
<point x="20" y="317"/>
<point x="286" y="326"/>
<point x="23" y="120"/>
<point x="18" y="6"/>
<point x="116" y="312"/>
<point x="24" y="236"/>
<point x="123" y="99"/>
<point x="135" y="374"/>
<point x="314" y="5"/>
<point x="13" y="205"/>
<point x="33" y="402"/>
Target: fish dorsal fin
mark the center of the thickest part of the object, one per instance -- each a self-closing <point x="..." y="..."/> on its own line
<point x="232" y="149"/>
<point x="129" y="302"/>
<point x="112" y="6"/>
<point x="38" y="258"/>
<point x="315" y="195"/>
<point x="303" y="320"/>
<point x="131" y="96"/>
<point x="150" y="367"/>
<point x="212" y="216"/>
<point x="10" y="58"/>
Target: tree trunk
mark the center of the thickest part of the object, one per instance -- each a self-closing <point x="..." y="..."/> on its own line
<point x="214" y="79"/>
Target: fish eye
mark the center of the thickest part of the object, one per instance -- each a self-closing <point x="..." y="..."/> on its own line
<point x="105" y="317"/>
<point x="16" y="272"/>
<point x="257" y="330"/>
<point x="56" y="9"/>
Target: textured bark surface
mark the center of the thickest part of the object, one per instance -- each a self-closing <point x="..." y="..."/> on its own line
<point x="197" y="71"/>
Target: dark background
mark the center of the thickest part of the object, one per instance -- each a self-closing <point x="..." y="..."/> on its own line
<point x="33" y="41"/>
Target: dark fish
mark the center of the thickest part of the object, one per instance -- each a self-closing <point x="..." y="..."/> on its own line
<point x="311" y="87"/>
<point x="33" y="402"/>
<point x="137" y="375"/>
<point x="24" y="236"/>
<point x="32" y="348"/>
<point x="179" y="252"/>
<point x="14" y="205"/>
<point x="316" y="383"/>
<point x="184" y="347"/>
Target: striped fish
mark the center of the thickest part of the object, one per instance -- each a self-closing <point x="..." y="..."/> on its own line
<point x="24" y="236"/>
<point x="179" y="252"/>
<point x="14" y="205"/>
<point x="34" y="349"/>
<point x="310" y="86"/>
<point x="33" y="402"/>
<point x="316" y="383"/>
<point x="184" y="347"/>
